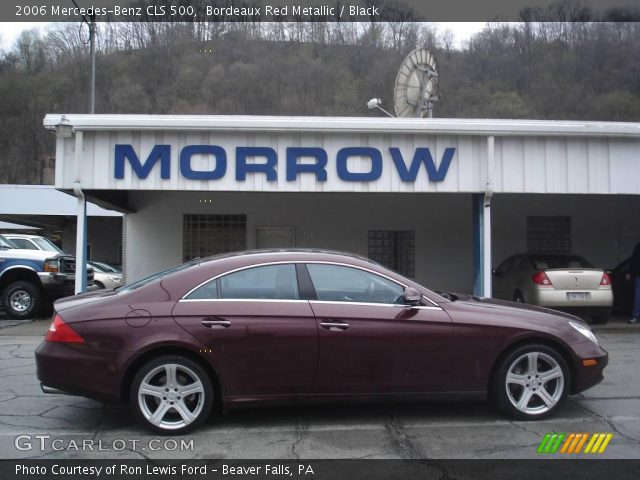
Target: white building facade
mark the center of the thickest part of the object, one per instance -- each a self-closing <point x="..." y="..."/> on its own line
<point x="440" y="200"/>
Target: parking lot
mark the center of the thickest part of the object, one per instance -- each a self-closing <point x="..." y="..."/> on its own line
<point x="52" y="426"/>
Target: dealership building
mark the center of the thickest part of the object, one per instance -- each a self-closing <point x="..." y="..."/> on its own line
<point x="439" y="200"/>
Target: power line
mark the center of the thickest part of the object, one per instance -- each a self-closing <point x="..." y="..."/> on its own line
<point x="84" y="18"/>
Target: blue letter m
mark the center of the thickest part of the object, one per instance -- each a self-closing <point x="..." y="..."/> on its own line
<point x="159" y="152"/>
<point x="422" y="155"/>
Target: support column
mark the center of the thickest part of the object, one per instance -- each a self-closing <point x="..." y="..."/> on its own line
<point x="478" y="241"/>
<point x="482" y="263"/>
<point x="81" y="241"/>
<point x="481" y="205"/>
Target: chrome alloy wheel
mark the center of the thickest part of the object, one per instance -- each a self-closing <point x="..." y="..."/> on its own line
<point x="20" y="300"/>
<point x="171" y="396"/>
<point x="534" y="383"/>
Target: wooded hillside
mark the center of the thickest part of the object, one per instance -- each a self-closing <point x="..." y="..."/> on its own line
<point x="542" y="70"/>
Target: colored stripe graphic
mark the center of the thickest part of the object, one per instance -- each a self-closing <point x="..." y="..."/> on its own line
<point x="598" y="443"/>
<point x="551" y="442"/>
<point x="573" y="442"/>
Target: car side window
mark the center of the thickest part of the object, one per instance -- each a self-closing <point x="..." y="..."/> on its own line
<point x="272" y="282"/>
<point x="337" y="283"/>
<point x="208" y="291"/>
<point x="278" y="282"/>
<point x="25" y="244"/>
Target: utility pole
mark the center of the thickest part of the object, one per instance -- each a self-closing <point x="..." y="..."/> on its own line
<point x="92" y="41"/>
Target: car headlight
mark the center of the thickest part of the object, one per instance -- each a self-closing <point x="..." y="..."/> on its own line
<point x="52" y="265"/>
<point x="586" y="331"/>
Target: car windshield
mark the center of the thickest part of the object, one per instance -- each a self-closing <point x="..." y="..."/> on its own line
<point x="98" y="268"/>
<point x="544" y="262"/>
<point x="105" y="267"/>
<point x="156" y="276"/>
<point x="5" y="243"/>
<point x="46" y="244"/>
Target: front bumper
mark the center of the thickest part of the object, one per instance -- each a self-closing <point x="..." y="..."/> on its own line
<point x="585" y="377"/>
<point x="61" y="284"/>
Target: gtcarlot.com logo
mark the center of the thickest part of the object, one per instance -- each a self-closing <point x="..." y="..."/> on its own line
<point x="574" y="443"/>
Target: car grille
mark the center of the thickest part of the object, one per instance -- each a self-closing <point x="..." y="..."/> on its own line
<point x="68" y="266"/>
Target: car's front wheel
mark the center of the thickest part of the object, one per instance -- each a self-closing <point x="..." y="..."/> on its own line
<point x="171" y="395"/>
<point x="532" y="382"/>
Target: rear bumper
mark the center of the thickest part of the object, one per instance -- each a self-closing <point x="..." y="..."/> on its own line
<point x="78" y="370"/>
<point x="559" y="298"/>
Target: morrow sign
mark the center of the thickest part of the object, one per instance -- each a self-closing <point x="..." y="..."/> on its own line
<point x="268" y="163"/>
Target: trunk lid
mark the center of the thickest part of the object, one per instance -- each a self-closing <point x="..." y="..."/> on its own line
<point x="575" y="278"/>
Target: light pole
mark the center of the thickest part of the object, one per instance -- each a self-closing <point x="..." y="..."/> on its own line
<point x="92" y="42"/>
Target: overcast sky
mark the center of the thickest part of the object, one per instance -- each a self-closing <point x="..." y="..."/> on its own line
<point x="9" y="31"/>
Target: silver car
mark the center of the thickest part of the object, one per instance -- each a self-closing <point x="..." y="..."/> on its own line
<point x="559" y="281"/>
<point x="106" y="276"/>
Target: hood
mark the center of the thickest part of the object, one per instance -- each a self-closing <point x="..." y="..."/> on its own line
<point x="507" y="305"/>
<point x="28" y="254"/>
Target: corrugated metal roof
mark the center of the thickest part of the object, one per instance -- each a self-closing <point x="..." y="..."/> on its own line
<point x="453" y="126"/>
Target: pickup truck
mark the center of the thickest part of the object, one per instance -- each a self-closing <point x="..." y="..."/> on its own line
<point x="31" y="278"/>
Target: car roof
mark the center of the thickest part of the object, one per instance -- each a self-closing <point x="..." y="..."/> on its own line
<point x="21" y="235"/>
<point x="285" y="254"/>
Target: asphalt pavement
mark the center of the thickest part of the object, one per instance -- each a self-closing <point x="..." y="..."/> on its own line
<point x="35" y="425"/>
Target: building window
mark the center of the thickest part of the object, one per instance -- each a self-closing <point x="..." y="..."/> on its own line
<point x="206" y="235"/>
<point x="393" y="249"/>
<point x="548" y="234"/>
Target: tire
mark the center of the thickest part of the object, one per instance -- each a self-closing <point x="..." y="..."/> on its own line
<point x="176" y="413"/>
<point x="527" y="396"/>
<point x="21" y="300"/>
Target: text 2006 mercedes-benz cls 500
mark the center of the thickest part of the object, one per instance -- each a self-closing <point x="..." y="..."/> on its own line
<point x="317" y="326"/>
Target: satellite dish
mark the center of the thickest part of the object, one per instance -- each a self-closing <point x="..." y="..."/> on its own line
<point x="416" y="84"/>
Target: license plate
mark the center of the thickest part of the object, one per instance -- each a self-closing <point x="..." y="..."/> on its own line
<point x="578" y="296"/>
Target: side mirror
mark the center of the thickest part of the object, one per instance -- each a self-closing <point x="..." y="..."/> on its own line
<point x="411" y="297"/>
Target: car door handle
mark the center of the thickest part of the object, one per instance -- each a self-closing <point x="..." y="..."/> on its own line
<point x="335" y="325"/>
<point x="215" y="323"/>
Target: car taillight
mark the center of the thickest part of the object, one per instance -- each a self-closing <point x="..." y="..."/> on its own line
<point x="61" y="332"/>
<point x="540" y="278"/>
<point x="606" y="280"/>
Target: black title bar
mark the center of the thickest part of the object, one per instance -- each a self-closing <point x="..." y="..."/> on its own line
<point x="317" y="10"/>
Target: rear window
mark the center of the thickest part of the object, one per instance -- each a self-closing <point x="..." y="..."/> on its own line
<point x="544" y="262"/>
<point x="156" y="276"/>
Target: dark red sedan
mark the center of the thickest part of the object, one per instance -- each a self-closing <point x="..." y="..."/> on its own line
<point x="284" y="326"/>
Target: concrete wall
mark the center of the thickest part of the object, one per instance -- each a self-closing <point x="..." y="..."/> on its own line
<point x="442" y="225"/>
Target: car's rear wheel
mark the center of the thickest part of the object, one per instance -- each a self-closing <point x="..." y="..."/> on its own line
<point x="171" y="395"/>
<point x="21" y="300"/>
<point x="532" y="382"/>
